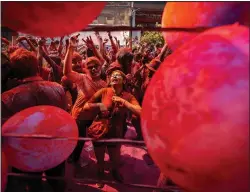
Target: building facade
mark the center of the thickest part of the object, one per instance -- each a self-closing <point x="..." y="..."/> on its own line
<point x="138" y="13"/>
<point x="148" y="13"/>
<point x="115" y="14"/>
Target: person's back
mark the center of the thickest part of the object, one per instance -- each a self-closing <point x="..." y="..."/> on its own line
<point x="34" y="91"/>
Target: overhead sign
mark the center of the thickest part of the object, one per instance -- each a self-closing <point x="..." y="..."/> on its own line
<point x="118" y="4"/>
<point x="148" y="16"/>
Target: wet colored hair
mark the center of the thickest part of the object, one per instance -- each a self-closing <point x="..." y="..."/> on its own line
<point x="23" y="63"/>
<point x="122" y="74"/>
<point x="125" y="57"/>
<point x="76" y="57"/>
<point x="125" y="86"/>
<point x="138" y="57"/>
<point x="93" y="60"/>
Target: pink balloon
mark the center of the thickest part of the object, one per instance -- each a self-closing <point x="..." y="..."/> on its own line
<point x="195" y="114"/>
<point x="35" y="155"/>
<point x="49" y="19"/>
<point x="200" y="14"/>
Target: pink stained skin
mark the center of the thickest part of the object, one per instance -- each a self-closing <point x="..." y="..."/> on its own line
<point x="195" y="113"/>
<point x="35" y="155"/>
<point x="50" y="19"/>
<point x="200" y="14"/>
<point x="4" y="171"/>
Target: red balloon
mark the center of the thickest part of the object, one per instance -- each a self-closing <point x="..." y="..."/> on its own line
<point x="49" y="19"/>
<point x="35" y="155"/>
<point x="4" y="172"/>
<point x="195" y="114"/>
<point x="200" y="14"/>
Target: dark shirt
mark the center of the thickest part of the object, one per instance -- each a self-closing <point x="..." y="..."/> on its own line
<point x="32" y="92"/>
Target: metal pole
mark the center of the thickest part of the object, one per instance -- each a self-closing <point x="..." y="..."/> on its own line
<point x="131" y="23"/>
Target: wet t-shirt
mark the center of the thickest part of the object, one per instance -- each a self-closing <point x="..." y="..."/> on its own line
<point x="86" y="88"/>
<point x="119" y="113"/>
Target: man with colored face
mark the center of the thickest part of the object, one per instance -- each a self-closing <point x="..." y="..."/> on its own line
<point x="87" y="85"/>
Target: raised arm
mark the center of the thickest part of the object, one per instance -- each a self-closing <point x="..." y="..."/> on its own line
<point x="100" y="41"/>
<point x="55" y="68"/>
<point x="105" y="56"/>
<point x="115" y="49"/>
<point x="164" y="53"/>
<point x="60" y="46"/>
<point x="67" y="67"/>
<point x="5" y="41"/>
<point x="40" y="57"/>
<point x="117" y="43"/>
<point x="90" y="44"/>
<point x="45" y="49"/>
<point x="32" y="47"/>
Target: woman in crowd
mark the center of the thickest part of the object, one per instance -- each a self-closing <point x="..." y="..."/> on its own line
<point x="87" y="85"/>
<point x="113" y="103"/>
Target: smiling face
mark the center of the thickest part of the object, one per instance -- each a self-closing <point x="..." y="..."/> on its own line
<point x="94" y="69"/>
<point x="117" y="78"/>
<point x="79" y="62"/>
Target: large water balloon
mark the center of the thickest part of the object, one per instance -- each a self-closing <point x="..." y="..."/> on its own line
<point x="195" y="114"/>
<point x="49" y="19"/>
<point x="35" y="155"/>
<point x="200" y="14"/>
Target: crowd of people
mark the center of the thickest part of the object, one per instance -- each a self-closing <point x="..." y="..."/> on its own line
<point x="101" y="88"/>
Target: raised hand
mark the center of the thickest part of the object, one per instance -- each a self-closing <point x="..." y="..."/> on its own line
<point x="41" y="41"/>
<point x="21" y="38"/>
<point x="67" y="42"/>
<point x="5" y="41"/>
<point x="73" y="40"/>
<point x="61" y="39"/>
<point x="109" y="34"/>
<point x="120" y="101"/>
<point x="105" y="41"/>
<point x="89" y="42"/>
<point x="97" y="34"/>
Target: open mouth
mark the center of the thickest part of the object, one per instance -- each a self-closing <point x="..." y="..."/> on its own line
<point x="115" y="81"/>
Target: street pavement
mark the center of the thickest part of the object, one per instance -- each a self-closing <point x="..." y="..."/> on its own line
<point x="136" y="168"/>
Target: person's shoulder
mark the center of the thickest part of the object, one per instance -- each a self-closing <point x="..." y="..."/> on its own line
<point x="15" y="90"/>
<point x="18" y="93"/>
<point x="105" y="89"/>
<point x="9" y="93"/>
<point x="51" y="85"/>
